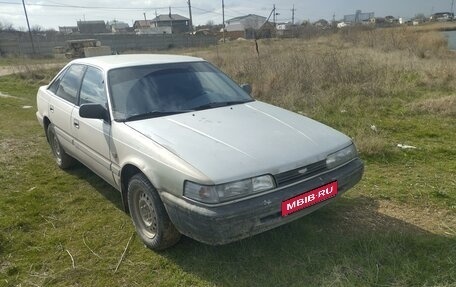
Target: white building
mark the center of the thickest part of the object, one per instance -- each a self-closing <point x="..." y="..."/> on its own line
<point x="243" y="23"/>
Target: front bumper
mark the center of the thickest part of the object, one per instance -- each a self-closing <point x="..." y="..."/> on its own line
<point x="223" y="224"/>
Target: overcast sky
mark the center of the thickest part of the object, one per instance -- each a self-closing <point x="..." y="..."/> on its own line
<point x="54" y="13"/>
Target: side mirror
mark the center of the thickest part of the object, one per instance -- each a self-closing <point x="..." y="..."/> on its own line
<point x="247" y="88"/>
<point x="93" y="111"/>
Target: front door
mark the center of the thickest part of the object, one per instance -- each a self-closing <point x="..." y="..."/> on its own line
<point x="93" y="136"/>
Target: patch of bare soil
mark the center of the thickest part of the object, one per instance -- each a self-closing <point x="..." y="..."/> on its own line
<point x="2" y="95"/>
<point x="9" y="70"/>
<point x="440" y="221"/>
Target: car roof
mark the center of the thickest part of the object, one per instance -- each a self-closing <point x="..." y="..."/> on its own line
<point x="119" y="61"/>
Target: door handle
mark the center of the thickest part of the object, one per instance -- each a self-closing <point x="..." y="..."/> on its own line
<point x="76" y="124"/>
<point x="51" y="108"/>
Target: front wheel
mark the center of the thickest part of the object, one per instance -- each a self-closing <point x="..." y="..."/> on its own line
<point x="149" y="215"/>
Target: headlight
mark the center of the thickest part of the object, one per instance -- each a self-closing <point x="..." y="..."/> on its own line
<point x="340" y="157"/>
<point x="228" y="191"/>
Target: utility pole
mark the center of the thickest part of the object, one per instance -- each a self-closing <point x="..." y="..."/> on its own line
<point x="156" y="18"/>
<point x="223" y="19"/>
<point x="452" y="7"/>
<point x="274" y="14"/>
<point x="292" y="15"/>
<point x="190" y="13"/>
<point x="28" y="25"/>
<point x="171" y="17"/>
<point x="145" y="16"/>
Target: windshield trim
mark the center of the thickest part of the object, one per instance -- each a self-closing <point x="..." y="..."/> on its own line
<point x="151" y="115"/>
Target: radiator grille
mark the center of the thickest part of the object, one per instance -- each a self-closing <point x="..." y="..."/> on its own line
<point x="301" y="173"/>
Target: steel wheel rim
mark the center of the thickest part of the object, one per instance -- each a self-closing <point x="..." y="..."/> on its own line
<point x="147" y="215"/>
<point x="56" y="149"/>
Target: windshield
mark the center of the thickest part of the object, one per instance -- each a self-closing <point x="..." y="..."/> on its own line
<point x="157" y="90"/>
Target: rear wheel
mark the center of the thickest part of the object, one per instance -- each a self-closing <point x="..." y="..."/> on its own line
<point x="149" y="215"/>
<point x="63" y="160"/>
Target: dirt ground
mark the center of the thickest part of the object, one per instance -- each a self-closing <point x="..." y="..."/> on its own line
<point x="8" y="70"/>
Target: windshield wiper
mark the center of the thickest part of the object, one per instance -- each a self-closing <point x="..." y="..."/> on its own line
<point x="153" y="114"/>
<point x="220" y="104"/>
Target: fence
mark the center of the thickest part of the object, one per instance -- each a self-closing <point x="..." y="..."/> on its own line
<point x="20" y="44"/>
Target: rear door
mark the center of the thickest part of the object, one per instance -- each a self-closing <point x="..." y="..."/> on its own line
<point x="64" y="91"/>
<point x="93" y="136"/>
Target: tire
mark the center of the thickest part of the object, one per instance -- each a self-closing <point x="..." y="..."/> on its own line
<point x="63" y="160"/>
<point x="149" y="215"/>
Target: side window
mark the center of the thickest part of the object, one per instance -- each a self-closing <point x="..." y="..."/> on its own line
<point x="55" y="85"/>
<point x="93" y="88"/>
<point x="70" y="83"/>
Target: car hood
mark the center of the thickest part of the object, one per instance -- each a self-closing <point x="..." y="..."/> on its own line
<point x="241" y="141"/>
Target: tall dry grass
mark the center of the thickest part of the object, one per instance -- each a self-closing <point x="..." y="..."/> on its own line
<point x="345" y="79"/>
<point x="420" y="43"/>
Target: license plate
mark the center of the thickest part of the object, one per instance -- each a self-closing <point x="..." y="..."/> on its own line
<point x="309" y="198"/>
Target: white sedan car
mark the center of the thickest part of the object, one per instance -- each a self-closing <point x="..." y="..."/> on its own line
<point x="190" y="151"/>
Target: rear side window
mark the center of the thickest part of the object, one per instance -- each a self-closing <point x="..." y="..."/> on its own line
<point x="93" y="88"/>
<point x="55" y="85"/>
<point x="70" y="83"/>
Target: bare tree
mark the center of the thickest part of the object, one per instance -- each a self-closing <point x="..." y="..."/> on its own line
<point x="36" y="29"/>
<point x="5" y="26"/>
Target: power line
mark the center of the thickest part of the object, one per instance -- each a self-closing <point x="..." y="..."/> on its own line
<point x="211" y="12"/>
<point x="56" y="5"/>
<point x="234" y="11"/>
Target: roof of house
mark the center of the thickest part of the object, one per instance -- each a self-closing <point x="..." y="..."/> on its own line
<point x="442" y="14"/>
<point x="95" y="22"/>
<point x="244" y="17"/>
<point x="166" y="18"/>
<point x="91" y="26"/>
<point x="143" y="23"/>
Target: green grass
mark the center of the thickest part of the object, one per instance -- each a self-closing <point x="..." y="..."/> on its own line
<point x="396" y="228"/>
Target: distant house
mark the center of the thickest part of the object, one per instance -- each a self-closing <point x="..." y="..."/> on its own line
<point x="359" y="17"/>
<point x="142" y="24"/>
<point x="391" y="19"/>
<point x="341" y="25"/>
<point x="322" y="23"/>
<point x="267" y="30"/>
<point x="246" y="26"/>
<point x="283" y="26"/>
<point x="142" y="27"/>
<point x="243" y="23"/>
<point x="286" y="30"/>
<point x="68" y="29"/>
<point x="153" y="30"/>
<point x="92" y="27"/>
<point x="177" y="23"/>
<point x="117" y="26"/>
<point x="379" y="21"/>
<point x="442" y="16"/>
